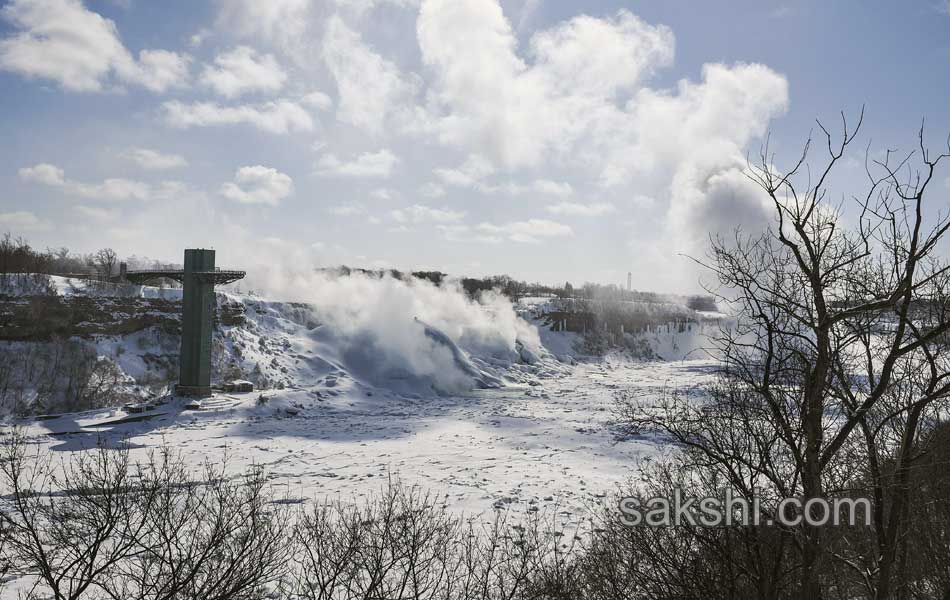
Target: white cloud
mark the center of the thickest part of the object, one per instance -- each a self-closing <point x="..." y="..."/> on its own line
<point x="420" y="213"/>
<point x="463" y="233"/>
<point x="528" y="10"/>
<point x="469" y="174"/>
<point x="154" y="160"/>
<point x="581" y="210"/>
<point x="539" y="186"/>
<point x="174" y="190"/>
<point x="96" y="213"/>
<point x="318" y="101"/>
<point x="369" y="164"/>
<point x="694" y="142"/>
<point x="280" y="116"/>
<point x="432" y="190"/>
<point x="244" y="70"/>
<point x="523" y="115"/>
<point x="109" y="189"/>
<point x="115" y="189"/>
<point x="22" y="220"/>
<point x="43" y="173"/>
<point x="642" y="202"/>
<point x="495" y="102"/>
<point x="280" y="22"/>
<point x="160" y="70"/>
<point x="62" y="41"/>
<point x="529" y="231"/>
<point x="708" y="122"/>
<point x="577" y="97"/>
<point x="348" y="210"/>
<point x="258" y="185"/>
<point x="476" y="170"/>
<point x="198" y="38"/>
<point x="553" y="188"/>
<point x="370" y="88"/>
<point x="595" y="59"/>
<point x="361" y="7"/>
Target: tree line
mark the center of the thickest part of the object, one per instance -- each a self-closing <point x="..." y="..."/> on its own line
<point x="18" y="257"/>
<point x="515" y="288"/>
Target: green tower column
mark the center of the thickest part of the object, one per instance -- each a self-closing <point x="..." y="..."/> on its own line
<point x="197" y="317"/>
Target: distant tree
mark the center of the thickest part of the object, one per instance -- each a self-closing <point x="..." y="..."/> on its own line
<point x="105" y="261"/>
<point x="435" y="277"/>
<point x="704" y="303"/>
<point x="16" y="256"/>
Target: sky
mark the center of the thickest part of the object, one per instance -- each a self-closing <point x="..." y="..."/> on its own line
<point x="549" y="140"/>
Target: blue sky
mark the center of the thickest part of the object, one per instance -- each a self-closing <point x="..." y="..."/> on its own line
<point x="549" y="140"/>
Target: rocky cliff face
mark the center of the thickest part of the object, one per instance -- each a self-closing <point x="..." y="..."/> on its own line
<point x="41" y="318"/>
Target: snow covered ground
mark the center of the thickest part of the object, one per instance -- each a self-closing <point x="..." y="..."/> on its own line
<point x="522" y="447"/>
<point x="378" y="379"/>
<point x="26" y="284"/>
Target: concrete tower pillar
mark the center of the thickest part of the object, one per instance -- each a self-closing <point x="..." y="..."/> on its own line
<point x="197" y="317"/>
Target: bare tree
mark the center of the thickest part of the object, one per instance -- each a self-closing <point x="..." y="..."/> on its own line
<point x="398" y="545"/>
<point x="69" y="526"/>
<point x="403" y="543"/>
<point x="839" y="359"/>
<point x="215" y="538"/>
<point x="105" y="260"/>
<point x="876" y="314"/>
<point x="23" y="269"/>
<point x="102" y="526"/>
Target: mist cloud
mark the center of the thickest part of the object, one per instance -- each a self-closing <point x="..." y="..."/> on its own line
<point x="380" y="327"/>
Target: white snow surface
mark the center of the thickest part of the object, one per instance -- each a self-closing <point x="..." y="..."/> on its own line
<point x="518" y="446"/>
<point x="383" y="378"/>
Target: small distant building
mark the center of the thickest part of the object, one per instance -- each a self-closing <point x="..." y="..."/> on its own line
<point x="239" y="386"/>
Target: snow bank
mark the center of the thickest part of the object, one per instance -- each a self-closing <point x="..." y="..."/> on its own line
<point x="30" y="284"/>
<point x="25" y="284"/>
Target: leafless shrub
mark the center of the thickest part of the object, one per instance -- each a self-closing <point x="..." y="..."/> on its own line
<point x="62" y="375"/>
<point x="101" y="526"/>
<point x="403" y="543"/>
<point x="69" y="527"/>
<point x="398" y="544"/>
<point x="215" y="538"/>
<point x="686" y="561"/>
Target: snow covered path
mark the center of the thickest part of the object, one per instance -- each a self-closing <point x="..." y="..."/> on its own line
<point x="524" y="447"/>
